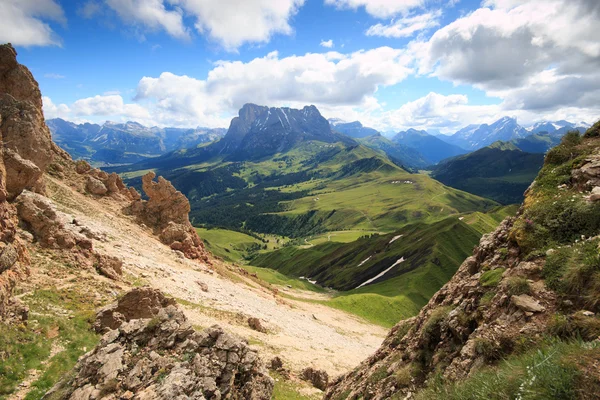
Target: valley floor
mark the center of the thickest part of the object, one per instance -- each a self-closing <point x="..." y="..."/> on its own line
<point x="300" y="332"/>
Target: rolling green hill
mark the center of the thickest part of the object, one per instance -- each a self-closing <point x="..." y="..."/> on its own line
<point x="386" y="277"/>
<point x="501" y="172"/>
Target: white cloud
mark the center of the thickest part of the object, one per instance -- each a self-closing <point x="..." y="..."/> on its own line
<point x="110" y="105"/>
<point x="405" y="26"/>
<point x="233" y="22"/>
<point x="327" y="80"/>
<point x="327" y="43"/>
<point x="152" y="14"/>
<point x="22" y="22"/>
<point x="54" y="76"/>
<point x="52" y="110"/>
<point x="379" y="8"/>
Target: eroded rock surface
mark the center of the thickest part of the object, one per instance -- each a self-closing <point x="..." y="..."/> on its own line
<point x="167" y="212"/>
<point x="158" y="355"/>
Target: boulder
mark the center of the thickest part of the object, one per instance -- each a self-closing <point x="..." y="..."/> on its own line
<point x="256" y="324"/>
<point x="109" y="266"/>
<point x="318" y="378"/>
<point x="527" y="303"/>
<point x="138" y="303"/>
<point x="95" y="186"/>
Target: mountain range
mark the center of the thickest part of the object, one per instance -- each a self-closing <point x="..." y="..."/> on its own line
<point x="123" y="143"/>
<point x="474" y="137"/>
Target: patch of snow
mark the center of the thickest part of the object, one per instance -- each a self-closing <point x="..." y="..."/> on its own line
<point x="364" y="261"/>
<point x="401" y="260"/>
<point x="395" y="238"/>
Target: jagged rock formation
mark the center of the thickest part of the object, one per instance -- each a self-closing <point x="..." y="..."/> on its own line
<point x="26" y="149"/>
<point x="513" y="289"/>
<point x="166" y="211"/>
<point x="151" y="351"/>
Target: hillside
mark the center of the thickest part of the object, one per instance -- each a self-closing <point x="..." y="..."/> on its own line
<point x="395" y="273"/>
<point x="501" y="172"/>
<point x="400" y="154"/>
<point x="518" y="319"/>
<point x="115" y="143"/>
<point x="431" y="147"/>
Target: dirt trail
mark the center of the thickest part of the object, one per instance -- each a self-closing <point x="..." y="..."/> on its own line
<point x="302" y="333"/>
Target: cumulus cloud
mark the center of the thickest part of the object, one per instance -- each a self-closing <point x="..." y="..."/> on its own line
<point x="110" y="105"/>
<point x="233" y="22"/>
<point x="325" y="79"/>
<point x="327" y="43"/>
<point x="405" y="26"/>
<point x="22" y="22"/>
<point x="52" y="110"/>
<point x="504" y="44"/>
<point x="152" y="14"/>
<point x="379" y="8"/>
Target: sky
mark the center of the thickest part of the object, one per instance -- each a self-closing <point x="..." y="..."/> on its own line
<point x="391" y="64"/>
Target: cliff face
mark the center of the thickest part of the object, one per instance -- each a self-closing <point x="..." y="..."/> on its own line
<point x="536" y="277"/>
<point x="26" y="150"/>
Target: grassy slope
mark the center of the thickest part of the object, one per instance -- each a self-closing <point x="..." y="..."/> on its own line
<point x="278" y="195"/>
<point x="432" y="252"/>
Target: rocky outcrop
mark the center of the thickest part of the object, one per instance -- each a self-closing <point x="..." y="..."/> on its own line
<point x="158" y="355"/>
<point x="41" y="218"/>
<point x="318" y="378"/>
<point x="26" y="140"/>
<point x="135" y="304"/>
<point x="167" y="212"/>
<point x="26" y="149"/>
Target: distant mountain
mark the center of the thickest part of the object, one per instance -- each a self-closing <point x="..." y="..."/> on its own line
<point x="120" y="143"/>
<point x="501" y="172"/>
<point x="475" y="137"/>
<point x="432" y="148"/>
<point x="558" y="128"/>
<point x="353" y="129"/>
<point x="398" y="153"/>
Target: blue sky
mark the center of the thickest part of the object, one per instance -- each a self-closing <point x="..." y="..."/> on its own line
<point x="393" y="64"/>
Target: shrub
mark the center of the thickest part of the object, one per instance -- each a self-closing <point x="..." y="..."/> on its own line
<point x="571" y="139"/>
<point x="594" y="131"/>
<point x="575" y="326"/>
<point x="431" y="328"/>
<point x="491" y="278"/>
<point x="486" y="348"/>
<point x="517" y="285"/>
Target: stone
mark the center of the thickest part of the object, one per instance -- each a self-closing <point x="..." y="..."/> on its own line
<point x="109" y="266"/>
<point x="95" y="186"/>
<point x="318" y="378"/>
<point x="256" y="324"/>
<point x="135" y="304"/>
<point x="527" y="303"/>
<point x="82" y="167"/>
